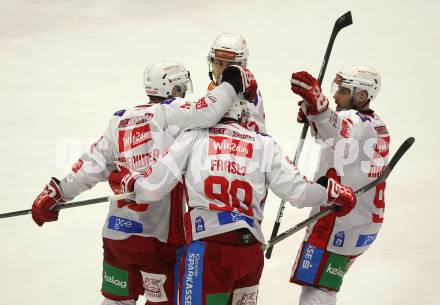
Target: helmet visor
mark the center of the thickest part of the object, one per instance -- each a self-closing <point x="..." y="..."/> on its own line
<point x="339" y="86"/>
<point x="183" y="81"/>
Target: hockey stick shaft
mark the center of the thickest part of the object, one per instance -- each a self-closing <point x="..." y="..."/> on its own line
<point x="342" y="22"/>
<point x="71" y="205"/>
<point x="400" y="152"/>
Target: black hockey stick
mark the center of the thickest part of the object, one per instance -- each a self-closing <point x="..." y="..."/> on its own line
<point x="400" y="152"/>
<point x="342" y="22"/>
<point x="71" y="205"/>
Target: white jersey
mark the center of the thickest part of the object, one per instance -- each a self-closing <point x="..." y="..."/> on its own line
<point x="354" y="150"/>
<point x="227" y="171"/>
<point x="257" y="117"/>
<point x="136" y="138"/>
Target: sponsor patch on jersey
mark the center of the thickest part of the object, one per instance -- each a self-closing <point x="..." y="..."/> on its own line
<point x="192" y="282"/>
<point x="244" y="296"/>
<point x="201" y="103"/>
<point x="77" y="166"/>
<point x="230" y="133"/>
<point x="199" y="224"/>
<point x="154" y="287"/>
<point x="119" y="112"/>
<point x="308" y="264"/>
<point x="365" y="240"/>
<point x="137" y="120"/>
<point x="131" y="138"/>
<point x="225" y="218"/>
<point x="345" y="129"/>
<point x="334" y="271"/>
<point x="339" y="239"/>
<point x="219" y="145"/>
<point x="114" y="280"/>
<point x="124" y="225"/>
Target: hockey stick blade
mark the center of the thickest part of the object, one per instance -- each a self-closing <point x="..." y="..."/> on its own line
<point x="72" y="205"/>
<point x="340" y="23"/>
<point x="397" y="156"/>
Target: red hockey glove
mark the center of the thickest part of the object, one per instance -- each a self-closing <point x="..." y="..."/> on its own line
<point x="339" y="194"/>
<point x="308" y="88"/>
<point x="48" y="199"/>
<point x="122" y="181"/>
<point x="242" y="80"/>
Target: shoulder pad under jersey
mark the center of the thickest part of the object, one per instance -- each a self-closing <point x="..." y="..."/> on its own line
<point x="119" y="112"/>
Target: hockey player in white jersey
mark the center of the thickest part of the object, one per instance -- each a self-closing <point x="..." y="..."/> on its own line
<point x="354" y="150"/>
<point x="227" y="171"/>
<point x="141" y="240"/>
<point x="231" y="49"/>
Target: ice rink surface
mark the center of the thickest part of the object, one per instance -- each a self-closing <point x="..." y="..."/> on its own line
<point x="66" y="66"/>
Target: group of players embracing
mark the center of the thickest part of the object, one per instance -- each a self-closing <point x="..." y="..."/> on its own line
<point x="200" y="171"/>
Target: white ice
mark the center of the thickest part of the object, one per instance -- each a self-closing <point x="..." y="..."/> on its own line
<point x="66" y="66"/>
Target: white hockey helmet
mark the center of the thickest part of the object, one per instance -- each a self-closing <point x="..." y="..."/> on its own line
<point x="358" y="78"/>
<point x="161" y="77"/>
<point x="239" y="111"/>
<point x="229" y="47"/>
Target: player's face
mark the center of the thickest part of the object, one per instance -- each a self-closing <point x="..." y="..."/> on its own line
<point x="178" y="92"/>
<point x="217" y="67"/>
<point x="360" y="99"/>
<point x="342" y="98"/>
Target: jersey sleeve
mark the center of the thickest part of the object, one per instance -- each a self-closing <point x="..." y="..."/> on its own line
<point x="161" y="178"/>
<point x="206" y="112"/>
<point x="92" y="167"/>
<point x="286" y="181"/>
<point x="336" y="125"/>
